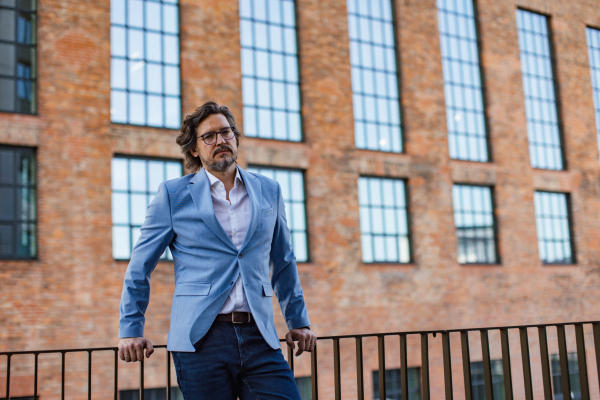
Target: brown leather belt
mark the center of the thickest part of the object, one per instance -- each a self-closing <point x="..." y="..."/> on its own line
<point x="236" y="317"/>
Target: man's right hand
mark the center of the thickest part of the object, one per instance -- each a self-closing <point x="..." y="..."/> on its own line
<point x="132" y="349"/>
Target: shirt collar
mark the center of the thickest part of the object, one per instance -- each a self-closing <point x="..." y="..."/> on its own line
<point x="213" y="180"/>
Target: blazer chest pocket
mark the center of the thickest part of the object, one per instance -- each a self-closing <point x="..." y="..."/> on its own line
<point x="266" y="213"/>
<point x="193" y="289"/>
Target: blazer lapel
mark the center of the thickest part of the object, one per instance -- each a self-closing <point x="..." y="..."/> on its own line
<point x="253" y="187"/>
<point x="199" y="188"/>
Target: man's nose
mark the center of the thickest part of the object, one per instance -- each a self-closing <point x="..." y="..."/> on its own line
<point x="220" y="139"/>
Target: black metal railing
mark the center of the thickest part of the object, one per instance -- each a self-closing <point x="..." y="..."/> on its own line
<point x="381" y="356"/>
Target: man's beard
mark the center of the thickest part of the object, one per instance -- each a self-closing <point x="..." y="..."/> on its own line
<point x="224" y="163"/>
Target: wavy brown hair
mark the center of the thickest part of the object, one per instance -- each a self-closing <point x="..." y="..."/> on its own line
<point x="188" y="136"/>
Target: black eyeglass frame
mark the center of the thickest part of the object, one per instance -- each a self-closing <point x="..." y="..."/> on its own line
<point x="219" y="132"/>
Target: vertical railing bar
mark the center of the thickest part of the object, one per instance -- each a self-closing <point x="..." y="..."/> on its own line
<point x="168" y="375"/>
<point x="142" y="378"/>
<point x="403" y="367"/>
<point x="62" y="376"/>
<point x="466" y="361"/>
<point x="35" y="377"/>
<point x="8" y="376"/>
<point x="425" y="365"/>
<point x="447" y="364"/>
<point x="290" y="352"/>
<point x="564" y="362"/>
<point x="545" y="362"/>
<point x="487" y="367"/>
<point x="360" y="389"/>
<point x="381" y="354"/>
<point x="596" y="330"/>
<point x="313" y="374"/>
<point x="508" y="388"/>
<point x="116" y="381"/>
<point x="89" y="374"/>
<point x="526" y="364"/>
<point x="336" y="370"/>
<point x="582" y="361"/>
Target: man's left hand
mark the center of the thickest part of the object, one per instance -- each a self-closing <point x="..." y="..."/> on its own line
<point x="306" y="339"/>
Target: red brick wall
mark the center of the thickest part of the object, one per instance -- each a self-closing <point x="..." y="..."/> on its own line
<point x="69" y="297"/>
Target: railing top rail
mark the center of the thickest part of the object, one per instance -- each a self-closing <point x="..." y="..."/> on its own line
<point x="162" y="346"/>
<point x="487" y="328"/>
<point x="58" y="351"/>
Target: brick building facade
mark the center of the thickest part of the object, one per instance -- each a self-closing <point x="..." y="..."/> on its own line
<point x="67" y="294"/>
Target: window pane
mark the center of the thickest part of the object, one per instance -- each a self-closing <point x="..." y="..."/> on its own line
<point x="536" y="68"/>
<point x="134" y="184"/>
<point x="118" y="109"/>
<point x="18" y="200"/>
<point x="137" y="108"/>
<point x="271" y="84"/>
<point x="7" y="100"/>
<point x="553" y="228"/>
<point x="462" y="80"/>
<point x="382" y="219"/>
<point x="151" y="38"/>
<point x="474" y="221"/>
<point x="393" y="383"/>
<point x="292" y="189"/>
<point x="7" y="240"/>
<point x="155" y="110"/>
<point x="121" y="242"/>
<point x="373" y="60"/>
<point x="593" y="41"/>
<point x="118" y="77"/>
<point x="7" y="54"/>
<point x="17" y="58"/>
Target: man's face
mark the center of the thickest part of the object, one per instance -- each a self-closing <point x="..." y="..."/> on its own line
<point x="222" y="154"/>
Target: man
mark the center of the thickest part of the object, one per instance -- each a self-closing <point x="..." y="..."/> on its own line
<point x="227" y="231"/>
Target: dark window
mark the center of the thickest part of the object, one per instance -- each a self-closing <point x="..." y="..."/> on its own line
<point x="292" y="190"/>
<point x="18" y="63"/>
<point x="393" y="389"/>
<point x="374" y="75"/>
<point x="18" y="214"/>
<point x="270" y="89"/>
<point x="539" y="88"/>
<point x="383" y="220"/>
<point x="474" y="220"/>
<point x="144" y="44"/>
<point x="151" y="394"/>
<point x="593" y="41"/>
<point x="573" y="376"/>
<point x="465" y="117"/>
<point x="553" y="227"/>
<point x="134" y="183"/>
<point x="304" y="384"/>
<point x="478" y="381"/>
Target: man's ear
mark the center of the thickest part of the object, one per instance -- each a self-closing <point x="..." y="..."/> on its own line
<point x="194" y="152"/>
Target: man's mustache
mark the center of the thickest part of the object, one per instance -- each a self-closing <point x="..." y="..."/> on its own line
<point x="221" y="148"/>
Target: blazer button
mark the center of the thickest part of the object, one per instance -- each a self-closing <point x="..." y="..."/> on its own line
<point x="240" y="255"/>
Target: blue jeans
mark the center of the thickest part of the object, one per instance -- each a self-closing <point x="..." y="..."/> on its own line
<point x="234" y="361"/>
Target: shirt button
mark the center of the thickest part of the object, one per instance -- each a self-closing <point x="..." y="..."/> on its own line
<point x="240" y="255"/>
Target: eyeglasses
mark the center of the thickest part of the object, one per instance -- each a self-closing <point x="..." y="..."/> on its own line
<point x="211" y="137"/>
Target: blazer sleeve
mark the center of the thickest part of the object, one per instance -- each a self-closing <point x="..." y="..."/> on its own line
<point x="156" y="235"/>
<point x="284" y="272"/>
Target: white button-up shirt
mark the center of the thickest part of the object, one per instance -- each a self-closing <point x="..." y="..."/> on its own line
<point x="234" y="216"/>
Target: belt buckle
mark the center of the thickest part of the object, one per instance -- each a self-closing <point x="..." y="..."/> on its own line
<point x="239" y="312"/>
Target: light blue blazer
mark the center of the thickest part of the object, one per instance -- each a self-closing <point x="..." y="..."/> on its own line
<point x="207" y="264"/>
